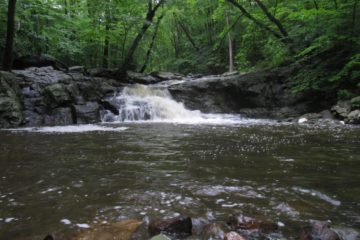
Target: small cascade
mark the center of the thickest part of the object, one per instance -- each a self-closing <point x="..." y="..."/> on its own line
<point x="149" y="103"/>
<point x="154" y="103"/>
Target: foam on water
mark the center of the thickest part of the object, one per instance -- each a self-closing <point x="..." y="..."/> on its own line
<point x="70" y="129"/>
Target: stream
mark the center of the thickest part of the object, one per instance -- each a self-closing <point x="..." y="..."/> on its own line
<point x="158" y="159"/>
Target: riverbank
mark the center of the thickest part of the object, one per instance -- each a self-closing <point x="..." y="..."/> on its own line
<point x="47" y="97"/>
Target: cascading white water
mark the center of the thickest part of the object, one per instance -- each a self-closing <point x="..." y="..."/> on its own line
<point x="154" y="103"/>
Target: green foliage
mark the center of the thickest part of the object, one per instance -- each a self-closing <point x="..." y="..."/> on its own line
<point x="350" y="72"/>
<point x="344" y="94"/>
<point x="193" y="36"/>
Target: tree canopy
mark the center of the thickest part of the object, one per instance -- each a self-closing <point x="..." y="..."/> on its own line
<point x="192" y="35"/>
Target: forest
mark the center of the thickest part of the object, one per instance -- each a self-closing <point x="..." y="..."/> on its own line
<point x="187" y="36"/>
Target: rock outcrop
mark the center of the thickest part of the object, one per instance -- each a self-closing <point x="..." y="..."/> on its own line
<point x="265" y="93"/>
<point x="45" y="96"/>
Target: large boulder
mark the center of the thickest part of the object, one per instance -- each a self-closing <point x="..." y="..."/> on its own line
<point x="38" y="61"/>
<point x="342" y="109"/>
<point x="56" y="95"/>
<point x="11" y="103"/>
<point x="353" y="117"/>
<point x="59" y="117"/>
<point x="259" y="94"/>
<point x="87" y="113"/>
<point x="355" y="103"/>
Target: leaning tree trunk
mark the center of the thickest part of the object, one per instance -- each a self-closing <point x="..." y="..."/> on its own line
<point x="231" y="58"/>
<point x="107" y="38"/>
<point x="121" y="73"/>
<point x="148" y="53"/>
<point x="10" y="34"/>
<point x="259" y="23"/>
<point x="272" y="18"/>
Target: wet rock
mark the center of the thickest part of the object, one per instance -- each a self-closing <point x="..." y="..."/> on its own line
<point x="167" y="76"/>
<point x="160" y="237"/>
<point x="11" y="102"/>
<point x="179" y="226"/>
<point x="353" y="117"/>
<point x="110" y="105"/>
<point x="88" y="113"/>
<point x="77" y="69"/>
<point x="56" y="95"/>
<point x="326" y="114"/>
<point x="355" y="103"/>
<point x="342" y="109"/>
<point x="238" y="221"/>
<point x="347" y="233"/>
<point x="309" y="118"/>
<point x="49" y="237"/>
<point x="59" y="116"/>
<point x="41" y="77"/>
<point x="230" y="73"/>
<point x="109" y="231"/>
<point x="262" y="94"/>
<point x="142" y="78"/>
<point x="212" y="231"/>
<point x="319" y="231"/>
<point x="233" y="236"/>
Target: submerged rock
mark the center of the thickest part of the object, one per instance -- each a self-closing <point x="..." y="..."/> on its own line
<point x="178" y="227"/>
<point x="319" y="231"/>
<point x="160" y="237"/>
<point x="238" y="221"/>
<point x="233" y="236"/>
<point x="212" y="231"/>
<point x="109" y="231"/>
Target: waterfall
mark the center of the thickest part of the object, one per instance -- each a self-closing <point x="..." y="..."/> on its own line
<point x="154" y="103"/>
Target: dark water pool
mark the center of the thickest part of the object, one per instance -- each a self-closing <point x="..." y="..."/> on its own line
<point x="285" y="173"/>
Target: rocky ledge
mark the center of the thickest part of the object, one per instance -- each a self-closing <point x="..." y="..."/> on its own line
<point x="46" y="96"/>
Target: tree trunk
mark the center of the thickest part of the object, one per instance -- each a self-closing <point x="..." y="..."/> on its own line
<point x="335" y="4"/>
<point x="353" y="23"/>
<point x="10" y="35"/>
<point x="316" y="5"/>
<point x="121" y="73"/>
<point x="148" y="53"/>
<point x="107" y="40"/>
<point x="231" y="58"/>
<point x="106" y="47"/>
<point x="272" y="18"/>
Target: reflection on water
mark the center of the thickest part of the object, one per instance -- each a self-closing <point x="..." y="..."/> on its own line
<point x="289" y="174"/>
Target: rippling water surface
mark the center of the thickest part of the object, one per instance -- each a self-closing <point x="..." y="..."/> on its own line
<point x="51" y="181"/>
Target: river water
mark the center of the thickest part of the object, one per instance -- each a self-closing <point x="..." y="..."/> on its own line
<point x="52" y="179"/>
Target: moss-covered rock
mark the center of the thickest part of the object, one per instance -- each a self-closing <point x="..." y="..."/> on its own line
<point x="11" y="104"/>
<point x="56" y="95"/>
